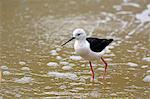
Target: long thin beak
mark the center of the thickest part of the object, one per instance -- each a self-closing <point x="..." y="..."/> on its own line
<point x="68" y="41"/>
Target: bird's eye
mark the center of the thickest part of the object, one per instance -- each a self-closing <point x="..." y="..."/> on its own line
<point x="78" y="34"/>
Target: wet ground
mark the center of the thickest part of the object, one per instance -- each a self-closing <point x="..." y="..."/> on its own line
<point x="33" y="64"/>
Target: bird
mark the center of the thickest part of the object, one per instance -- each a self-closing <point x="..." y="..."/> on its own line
<point x="89" y="48"/>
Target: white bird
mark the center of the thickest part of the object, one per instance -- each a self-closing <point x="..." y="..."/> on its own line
<point x="89" y="48"/>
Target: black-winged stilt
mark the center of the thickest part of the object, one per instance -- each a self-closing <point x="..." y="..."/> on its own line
<point x="89" y="48"/>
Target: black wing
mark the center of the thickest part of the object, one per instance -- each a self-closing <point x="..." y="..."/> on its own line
<point x="97" y="45"/>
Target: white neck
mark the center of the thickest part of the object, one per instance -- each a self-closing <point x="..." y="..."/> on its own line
<point x="81" y="39"/>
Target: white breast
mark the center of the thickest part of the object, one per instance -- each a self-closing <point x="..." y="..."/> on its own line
<point x="82" y="48"/>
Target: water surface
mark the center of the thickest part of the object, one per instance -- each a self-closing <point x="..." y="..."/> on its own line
<point x="34" y="65"/>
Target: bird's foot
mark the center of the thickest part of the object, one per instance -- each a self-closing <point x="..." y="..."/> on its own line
<point x="92" y="79"/>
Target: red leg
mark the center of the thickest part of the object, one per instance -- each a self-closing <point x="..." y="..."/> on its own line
<point x="105" y="66"/>
<point x="92" y="70"/>
<point x="85" y="65"/>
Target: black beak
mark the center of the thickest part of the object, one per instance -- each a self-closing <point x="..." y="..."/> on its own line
<point x="68" y="41"/>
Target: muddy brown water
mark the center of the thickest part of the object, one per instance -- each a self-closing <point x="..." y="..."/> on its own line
<point x="31" y="33"/>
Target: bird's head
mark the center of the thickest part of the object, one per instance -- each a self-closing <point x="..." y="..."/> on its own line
<point x="78" y="34"/>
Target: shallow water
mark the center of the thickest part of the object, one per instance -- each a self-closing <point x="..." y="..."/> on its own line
<point x="34" y="65"/>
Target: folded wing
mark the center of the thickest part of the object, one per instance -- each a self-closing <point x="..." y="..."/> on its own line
<point x="97" y="45"/>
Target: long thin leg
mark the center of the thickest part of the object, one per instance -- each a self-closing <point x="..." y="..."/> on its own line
<point x="92" y="70"/>
<point x="104" y="63"/>
<point x="85" y="65"/>
<point x="105" y="66"/>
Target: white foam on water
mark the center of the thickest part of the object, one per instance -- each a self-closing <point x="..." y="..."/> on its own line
<point x="28" y="50"/>
<point x="22" y="63"/>
<point x="132" y="4"/>
<point x="113" y="94"/>
<point x="148" y="6"/>
<point x="48" y="87"/>
<point x="67" y="67"/>
<point x="108" y="55"/>
<point x="131" y="69"/>
<point x="94" y="65"/>
<point x="53" y="52"/>
<point x="76" y="58"/>
<point x="132" y="64"/>
<point x="144" y="66"/>
<point x="24" y="80"/>
<point x="108" y="59"/>
<point x="113" y="43"/>
<point x="125" y="1"/>
<point x="131" y="51"/>
<point x="110" y="47"/>
<point x="101" y="69"/>
<point x="63" y="87"/>
<point x="117" y="7"/>
<point x="6" y="73"/>
<point x="71" y="64"/>
<point x="58" y="57"/>
<point x="131" y="33"/>
<point x="124" y="12"/>
<point x="145" y="15"/>
<point x="146" y="78"/>
<point x="52" y="64"/>
<point x="63" y="63"/>
<point x="4" y="67"/>
<point x="58" y="49"/>
<point x="107" y="50"/>
<point x="146" y="59"/>
<point x="148" y="71"/>
<point x="18" y="95"/>
<point x="63" y="75"/>
<point x="25" y="68"/>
